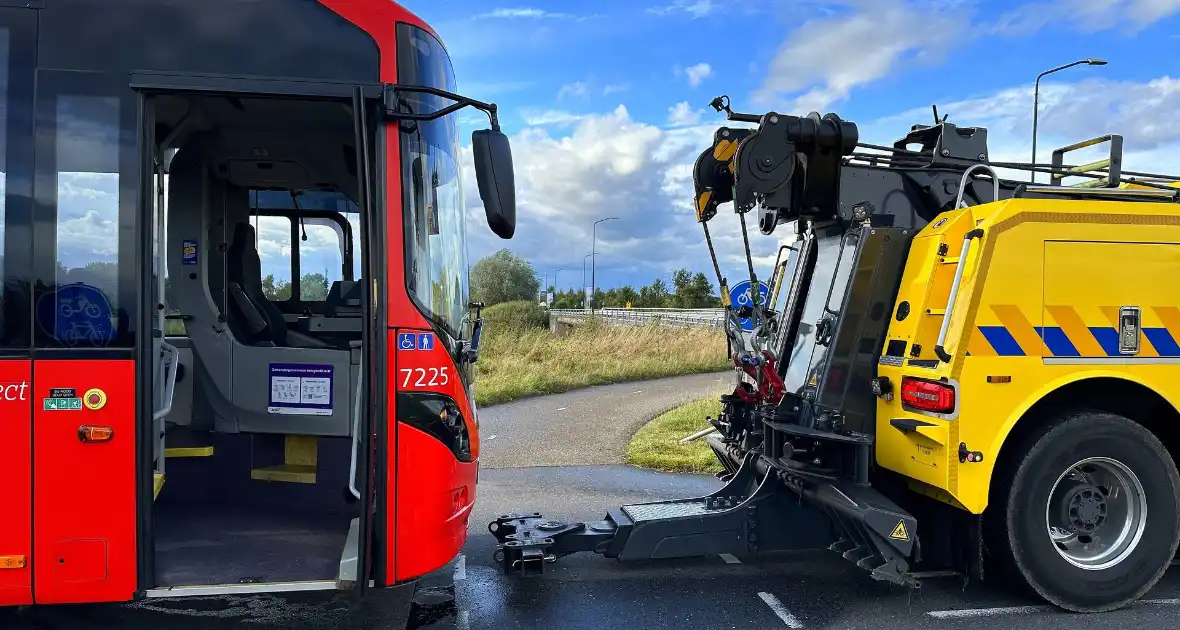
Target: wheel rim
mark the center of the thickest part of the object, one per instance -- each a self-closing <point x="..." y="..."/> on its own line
<point x="1096" y="513"/>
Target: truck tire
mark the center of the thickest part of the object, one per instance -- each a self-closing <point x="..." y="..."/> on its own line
<point x="1090" y="511"/>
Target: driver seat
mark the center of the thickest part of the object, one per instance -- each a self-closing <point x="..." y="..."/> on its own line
<point x="265" y="323"/>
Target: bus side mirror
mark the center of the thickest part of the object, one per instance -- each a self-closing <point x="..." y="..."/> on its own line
<point x="497" y="184"/>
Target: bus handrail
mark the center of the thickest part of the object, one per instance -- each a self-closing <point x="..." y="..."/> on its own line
<point x="170" y="383"/>
<point x="356" y="429"/>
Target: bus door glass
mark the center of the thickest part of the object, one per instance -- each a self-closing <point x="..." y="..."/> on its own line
<point x="85" y="295"/>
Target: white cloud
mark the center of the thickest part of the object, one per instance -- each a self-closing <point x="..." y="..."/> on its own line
<point x="841" y="45"/>
<point x="611" y="165"/>
<point x="577" y="89"/>
<point x="526" y="12"/>
<point x="615" y="88"/>
<point x="542" y="118"/>
<point x="693" y="8"/>
<point x="1089" y="17"/>
<point x="823" y="60"/>
<point x="1069" y="113"/>
<point x="682" y="114"/>
<point x="695" y="74"/>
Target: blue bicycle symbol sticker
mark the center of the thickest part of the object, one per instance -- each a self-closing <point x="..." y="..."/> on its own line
<point x="77" y="314"/>
<point x="740" y="296"/>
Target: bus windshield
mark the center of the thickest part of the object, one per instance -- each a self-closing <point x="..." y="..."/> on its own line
<point x="435" y="234"/>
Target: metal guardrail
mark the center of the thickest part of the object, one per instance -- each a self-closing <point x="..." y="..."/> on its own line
<point x="670" y="317"/>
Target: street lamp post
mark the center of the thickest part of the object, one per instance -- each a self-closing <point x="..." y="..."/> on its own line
<point x="1036" y="102"/>
<point x="555" y="288"/>
<point x="593" y="244"/>
<point x="584" y="298"/>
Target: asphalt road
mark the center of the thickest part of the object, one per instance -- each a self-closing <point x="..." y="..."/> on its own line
<point x="813" y="589"/>
<point x="790" y="590"/>
<point x="584" y="427"/>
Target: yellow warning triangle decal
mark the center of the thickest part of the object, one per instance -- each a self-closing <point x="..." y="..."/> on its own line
<point x="899" y="532"/>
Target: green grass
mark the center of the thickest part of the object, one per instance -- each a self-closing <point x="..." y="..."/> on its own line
<point x="519" y="357"/>
<point x="657" y="445"/>
<point x="516" y="363"/>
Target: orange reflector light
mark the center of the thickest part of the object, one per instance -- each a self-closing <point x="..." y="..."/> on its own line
<point x="12" y="562"/>
<point x="95" y="433"/>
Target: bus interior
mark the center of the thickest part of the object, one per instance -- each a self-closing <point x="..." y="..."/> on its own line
<point x="258" y="382"/>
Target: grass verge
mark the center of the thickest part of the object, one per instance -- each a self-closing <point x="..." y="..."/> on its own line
<point x="518" y="363"/>
<point x="657" y="445"/>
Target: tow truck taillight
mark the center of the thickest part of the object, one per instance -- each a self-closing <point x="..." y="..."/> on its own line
<point x="929" y="396"/>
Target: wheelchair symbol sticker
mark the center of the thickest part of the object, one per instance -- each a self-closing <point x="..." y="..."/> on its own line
<point x="405" y="341"/>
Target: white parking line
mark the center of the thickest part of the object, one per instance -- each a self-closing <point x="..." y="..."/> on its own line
<point x="461" y="568"/>
<point x="969" y="613"/>
<point x="463" y="620"/>
<point x="777" y="607"/>
<point x="986" y="612"/>
<point x="729" y="558"/>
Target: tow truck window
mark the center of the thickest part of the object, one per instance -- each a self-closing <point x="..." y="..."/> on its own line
<point x="833" y="268"/>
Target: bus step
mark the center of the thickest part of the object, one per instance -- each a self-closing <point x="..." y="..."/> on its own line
<point x="157" y="484"/>
<point x="300" y="458"/>
<point x="188" y="451"/>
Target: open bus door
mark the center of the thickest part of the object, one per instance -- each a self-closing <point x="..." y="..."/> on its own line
<point x="162" y="134"/>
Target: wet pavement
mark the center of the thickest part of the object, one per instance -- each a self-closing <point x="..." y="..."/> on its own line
<point x="791" y="590"/>
<point x="812" y="589"/>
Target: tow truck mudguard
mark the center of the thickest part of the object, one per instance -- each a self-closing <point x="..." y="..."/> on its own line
<point x="760" y="509"/>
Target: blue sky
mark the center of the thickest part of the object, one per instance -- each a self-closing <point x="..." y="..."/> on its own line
<point x="606" y="101"/>
<point x="607" y="107"/>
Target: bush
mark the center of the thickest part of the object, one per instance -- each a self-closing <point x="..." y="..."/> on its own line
<point x="516" y="316"/>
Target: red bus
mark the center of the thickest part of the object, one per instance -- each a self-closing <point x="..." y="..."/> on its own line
<point x="236" y="342"/>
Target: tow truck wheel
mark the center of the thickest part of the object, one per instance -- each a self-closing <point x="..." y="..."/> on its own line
<point x="1092" y="511"/>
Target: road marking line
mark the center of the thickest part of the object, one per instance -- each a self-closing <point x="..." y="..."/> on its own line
<point x="986" y="612"/>
<point x="638" y="392"/>
<point x="729" y="558"/>
<point x="461" y="568"/>
<point x="970" y="613"/>
<point x="562" y="408"/>
<point x="777" y="607"/>
<point x="463" y="620"/>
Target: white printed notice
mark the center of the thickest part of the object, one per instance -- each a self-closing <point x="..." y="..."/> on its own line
<point x="300" y="389"/>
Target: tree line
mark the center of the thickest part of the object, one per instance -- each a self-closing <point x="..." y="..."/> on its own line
<point x="506" y="277"/>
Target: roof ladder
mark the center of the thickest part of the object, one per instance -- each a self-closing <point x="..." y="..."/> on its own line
<point x="1112" y="165"/>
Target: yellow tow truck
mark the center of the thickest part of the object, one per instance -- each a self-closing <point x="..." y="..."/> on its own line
<point x="959" y="373"/>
